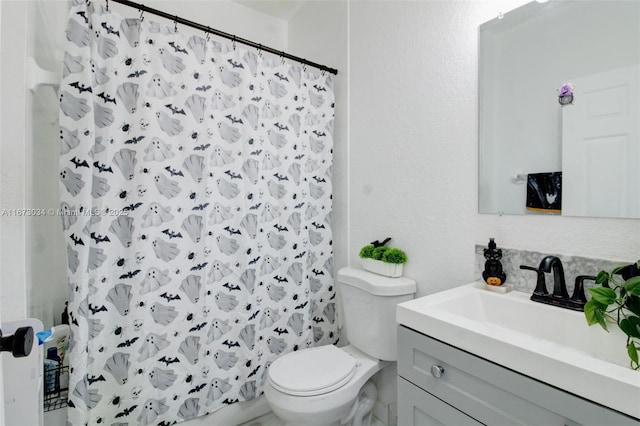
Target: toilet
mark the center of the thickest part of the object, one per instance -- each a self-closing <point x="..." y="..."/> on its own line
<point x="330" y="385"/>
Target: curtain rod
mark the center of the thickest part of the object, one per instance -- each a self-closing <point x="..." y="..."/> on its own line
<point x="178" y="20"/>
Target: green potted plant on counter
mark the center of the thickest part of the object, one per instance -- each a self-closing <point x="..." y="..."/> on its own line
<point x="618" y="301"/>
<point x="380" y="259"/>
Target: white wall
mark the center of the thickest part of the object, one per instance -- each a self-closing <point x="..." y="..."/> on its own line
<point x="1" y="167"/>
<point x="412" y="134"/>
<point x="224" y="15"/>
<point x="318" y="32"/>
<point x="13" y="159"/>
<point x="413" y="147"/>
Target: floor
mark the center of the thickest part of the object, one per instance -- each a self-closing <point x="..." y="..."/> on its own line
<point x="58" y="417"/>
<point x="270" y="419"/>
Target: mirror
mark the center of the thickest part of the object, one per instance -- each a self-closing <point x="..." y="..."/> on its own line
<point x="542" y="153"/>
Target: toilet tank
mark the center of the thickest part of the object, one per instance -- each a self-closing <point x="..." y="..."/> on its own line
<point x="369" y="304"/>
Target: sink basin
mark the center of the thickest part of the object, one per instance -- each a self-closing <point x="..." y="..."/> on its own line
<point x="550" y="344"/>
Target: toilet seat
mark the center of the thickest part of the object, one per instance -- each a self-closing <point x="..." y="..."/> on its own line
<point x="313" y="371"/>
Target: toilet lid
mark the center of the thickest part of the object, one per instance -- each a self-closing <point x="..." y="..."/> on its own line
<point x="312" y="371"/>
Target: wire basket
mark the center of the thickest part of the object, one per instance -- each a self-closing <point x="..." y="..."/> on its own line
<point x="56" y="387"/>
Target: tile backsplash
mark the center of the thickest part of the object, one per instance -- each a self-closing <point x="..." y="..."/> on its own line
<point x="526" y="280"/>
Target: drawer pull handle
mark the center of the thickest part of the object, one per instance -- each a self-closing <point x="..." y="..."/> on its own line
<point x="437" y="371"/>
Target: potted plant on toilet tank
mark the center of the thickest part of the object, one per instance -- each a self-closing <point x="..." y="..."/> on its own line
<point x="618" y="301"/>
<point x="380" y="259"/>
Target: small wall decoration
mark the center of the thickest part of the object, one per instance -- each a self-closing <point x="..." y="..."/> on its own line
<point x="565" y="94"/>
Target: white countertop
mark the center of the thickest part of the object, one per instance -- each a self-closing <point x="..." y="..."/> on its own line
<point x="551" y="344"/>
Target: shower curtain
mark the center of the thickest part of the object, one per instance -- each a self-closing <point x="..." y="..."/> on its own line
<point x="196" y="201"/>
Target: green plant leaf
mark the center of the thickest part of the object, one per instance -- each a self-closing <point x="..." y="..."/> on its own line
<point x="602" y="277"/>
<point x="594" y="313"/>
<point x="633" y="352"/>
<point x="603" y="295"/>
<point x="394" y="255"/>
<point x="630" y="326"/>
<point x="366" y="252"/>
<point x="618" y="269"/>
<point x="378" y="252"/>
<point x="632" y="286"/>
<point x="626" y="307"/>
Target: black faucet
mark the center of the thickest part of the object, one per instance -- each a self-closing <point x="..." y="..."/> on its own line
<point x="560" y="296"/>
<point x="559" y="285"/>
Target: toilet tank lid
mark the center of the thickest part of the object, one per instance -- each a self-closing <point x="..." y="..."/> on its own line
<point x="376" y="284"/>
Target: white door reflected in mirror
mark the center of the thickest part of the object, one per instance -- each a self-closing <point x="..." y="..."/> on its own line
<point x="599" y="146"/>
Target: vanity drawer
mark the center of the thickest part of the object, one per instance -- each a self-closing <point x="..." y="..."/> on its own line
<point x="489" y="393"/>
<point x="419" y="408"/>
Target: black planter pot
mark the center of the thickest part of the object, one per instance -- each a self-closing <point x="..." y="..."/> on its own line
<point x="629" y="271"/>
<point x="633" y="302"/>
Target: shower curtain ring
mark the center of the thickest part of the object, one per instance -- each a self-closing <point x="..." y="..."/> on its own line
<point x="260" y="50"/>
<point x="208" y="33"/>
<point x="107" y="5"/>
<point x="175" y="24"/>
<point x="233" y="42"/>
<point x="282" y="57"/>
<point x="141" y="15"/>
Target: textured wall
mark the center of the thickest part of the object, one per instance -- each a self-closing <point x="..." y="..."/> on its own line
<point x="413" y="140"/>
<point x="413" y="147"/>
<point x="318" y="32"/>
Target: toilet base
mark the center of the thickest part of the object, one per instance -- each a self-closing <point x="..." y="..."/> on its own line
<point x="306" y="415"/>
<point x="362" y="410"/>
<point x="334" y="408"/>
<point x="310" y="424"/>
<point x="360" y="414"/>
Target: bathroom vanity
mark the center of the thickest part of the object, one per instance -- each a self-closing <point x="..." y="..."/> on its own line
<point x="470" y="357"/>
<point x="440" y="384"/>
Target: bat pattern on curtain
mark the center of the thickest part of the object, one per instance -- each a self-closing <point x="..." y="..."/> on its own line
<point x="196" y="181"/>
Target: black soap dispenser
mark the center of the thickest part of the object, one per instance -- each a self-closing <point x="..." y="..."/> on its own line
<point x="493" y="273"/>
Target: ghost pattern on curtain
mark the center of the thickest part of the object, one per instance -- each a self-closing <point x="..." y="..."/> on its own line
<point x="196" y="198"/>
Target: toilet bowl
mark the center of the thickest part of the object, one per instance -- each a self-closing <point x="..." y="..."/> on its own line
<point x="322" y="386"/>
<point x="328" y="385"/>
